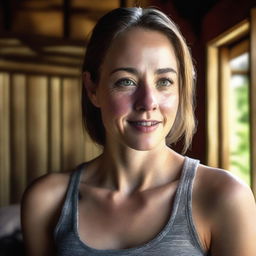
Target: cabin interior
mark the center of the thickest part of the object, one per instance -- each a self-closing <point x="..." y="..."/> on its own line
<point x="42" y="45"/>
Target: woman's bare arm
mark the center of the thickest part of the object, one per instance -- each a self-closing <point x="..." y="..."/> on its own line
<point x="40" y="211"/>
<point x="234" y="220"/>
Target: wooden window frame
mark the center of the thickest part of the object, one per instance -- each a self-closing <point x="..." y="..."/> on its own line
<point x="217" y="78"/>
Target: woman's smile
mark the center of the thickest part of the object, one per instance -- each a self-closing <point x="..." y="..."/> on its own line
<point x="145" y="125"/>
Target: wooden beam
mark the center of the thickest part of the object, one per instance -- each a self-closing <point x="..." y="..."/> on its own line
<point x="239" y="49"/>
<point x="66" y="18"/>
<point x="232" y="34"/>
<point x="122" y="3"/>
<point x="34" y="68"/>
<point x="212" y="107"/>
<point x="7" y="14"/>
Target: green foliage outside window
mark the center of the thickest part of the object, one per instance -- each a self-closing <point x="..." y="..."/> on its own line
<point x="239" y="141"/>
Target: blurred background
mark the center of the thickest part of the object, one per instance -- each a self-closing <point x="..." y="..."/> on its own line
<point x="42" y="44"/>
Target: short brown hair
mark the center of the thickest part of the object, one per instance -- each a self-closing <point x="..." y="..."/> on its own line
<point x="106" y="30"/>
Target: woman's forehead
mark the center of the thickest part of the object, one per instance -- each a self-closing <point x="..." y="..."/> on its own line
<point x="136" y="35"/>
<point x="138" y="45"/>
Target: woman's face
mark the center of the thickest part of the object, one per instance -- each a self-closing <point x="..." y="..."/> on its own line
<point x="138" y="89"/>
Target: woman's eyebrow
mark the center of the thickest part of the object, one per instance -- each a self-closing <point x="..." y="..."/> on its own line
<point x="135" y="71"/>
<point x="127" y="69"/>
<point x="165" y="70"/>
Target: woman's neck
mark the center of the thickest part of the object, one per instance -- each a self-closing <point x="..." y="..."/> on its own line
<point x="126" y="170"/>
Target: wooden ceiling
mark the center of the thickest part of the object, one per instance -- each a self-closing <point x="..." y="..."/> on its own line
<point x="52" y="32"/>
<point x="55" y="32"/>
<point x="59" y="18"/>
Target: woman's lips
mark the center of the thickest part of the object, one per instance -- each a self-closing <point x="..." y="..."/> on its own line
<point x="145" y="125"/>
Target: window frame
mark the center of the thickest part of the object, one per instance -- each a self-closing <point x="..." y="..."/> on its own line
<point x="218" y="56"/>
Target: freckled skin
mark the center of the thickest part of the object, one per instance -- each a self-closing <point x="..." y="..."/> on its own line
<point x="146" y="52"/>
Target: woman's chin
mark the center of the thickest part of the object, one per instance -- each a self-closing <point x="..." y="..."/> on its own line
<point x="144" y="145"/>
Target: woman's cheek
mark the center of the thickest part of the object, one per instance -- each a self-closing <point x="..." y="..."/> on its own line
<point x="118" y="106"/>
<point x="170" y="103"/>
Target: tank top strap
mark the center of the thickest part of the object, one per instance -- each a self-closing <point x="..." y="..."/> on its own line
<point x="69" y="207"/>
<point x="186" y="179"/>
<point x="185" y="184"/>
<point x="189" y="171"/>
<point x="184" y="211"/>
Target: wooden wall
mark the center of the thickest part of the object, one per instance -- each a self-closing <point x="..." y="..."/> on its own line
<point x="41" y="129"/>
<point x="41" y="49"/>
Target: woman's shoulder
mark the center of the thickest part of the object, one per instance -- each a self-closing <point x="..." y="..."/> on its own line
<point x="40" y="208"/>
<point x="47" y="187"/>
<point x="223" y="208"/>
<point x="46" y="194"/>
<point x="220" y="182"/>
<point x="221" y="191"/>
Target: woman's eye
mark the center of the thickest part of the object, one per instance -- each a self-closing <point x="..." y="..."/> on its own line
<point x="125" y="83"/>
<point x="165" y="82"/>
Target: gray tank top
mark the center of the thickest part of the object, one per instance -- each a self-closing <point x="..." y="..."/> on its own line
<point x="177" y="238"/>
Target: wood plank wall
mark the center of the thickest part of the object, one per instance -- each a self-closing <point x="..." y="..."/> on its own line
<point x="40" y="130"/>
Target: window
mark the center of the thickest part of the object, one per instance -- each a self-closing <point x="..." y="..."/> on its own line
<point x="239" y="129"/>
<point x="231" y="101"/>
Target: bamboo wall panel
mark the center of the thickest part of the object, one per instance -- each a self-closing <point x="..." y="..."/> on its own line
<point x="91" y="148"/>
<point x="18" y="136"/>
<point x="4" y="138"/>
<point x="55" y="124"/>
<point x="73" y="150"/>
<point x="40" y="130"/>
<point x="37" y="126"/>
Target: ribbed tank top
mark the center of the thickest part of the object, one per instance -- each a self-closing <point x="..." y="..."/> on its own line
<point x="177" y="238"/>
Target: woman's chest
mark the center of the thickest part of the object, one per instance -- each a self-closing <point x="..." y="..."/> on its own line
<point x="108" y="224"/>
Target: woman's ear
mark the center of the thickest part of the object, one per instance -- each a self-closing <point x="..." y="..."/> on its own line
<point x="90" y="87"/>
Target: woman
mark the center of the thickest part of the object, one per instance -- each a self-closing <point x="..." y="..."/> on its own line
<point x="137" y="197"/>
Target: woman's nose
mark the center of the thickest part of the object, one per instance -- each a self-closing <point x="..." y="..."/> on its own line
<point x="146" y="99"/>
